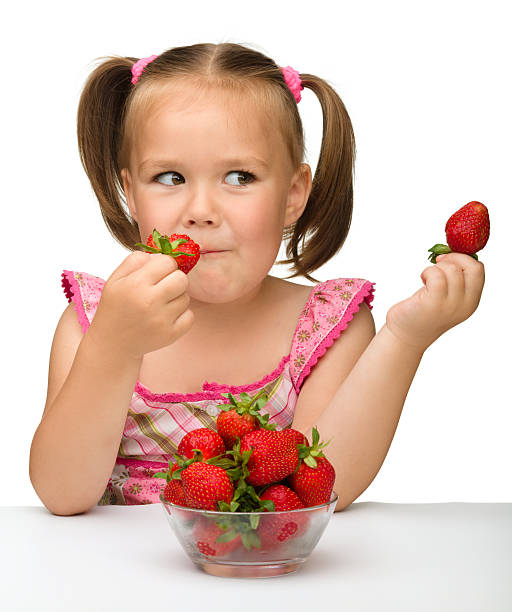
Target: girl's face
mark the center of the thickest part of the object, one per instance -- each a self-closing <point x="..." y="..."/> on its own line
<point x="214" y="169"/>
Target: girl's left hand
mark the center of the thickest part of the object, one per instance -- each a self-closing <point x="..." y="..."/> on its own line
<point x="451" y="293"/>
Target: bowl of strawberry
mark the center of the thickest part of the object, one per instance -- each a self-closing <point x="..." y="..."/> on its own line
<point x="248" y="500"/>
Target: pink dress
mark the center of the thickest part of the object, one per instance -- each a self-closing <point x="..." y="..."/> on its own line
<point x="156" y="422"/>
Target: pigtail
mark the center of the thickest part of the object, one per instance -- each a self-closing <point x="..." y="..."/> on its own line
<point x="99" y="124"/>
<point x="325" y="222"/>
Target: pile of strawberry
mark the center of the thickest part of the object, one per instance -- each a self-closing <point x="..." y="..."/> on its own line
<point x="248" y="466"/>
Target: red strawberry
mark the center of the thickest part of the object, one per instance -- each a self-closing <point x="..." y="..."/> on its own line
<point x="174" y="493"/>
<point x="202" y="439"/>
<point x="240" y="418"/>
<point x="467" y="231"/>
<point x="314" y="480"/>
<point x="179" y="246"/>
<point x="296" y="435"/>
<point x="207" y="533"/>
<point x="276" y="529"/>
<point x="283" y="497"/>
<point x="274" y="456"/>
<point x="205" y="485"/>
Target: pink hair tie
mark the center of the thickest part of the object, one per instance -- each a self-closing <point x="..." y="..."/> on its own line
<point x="293" y="81"/>
<point x="138" y="67"/>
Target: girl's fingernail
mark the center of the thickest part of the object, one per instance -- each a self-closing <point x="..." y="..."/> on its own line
<point x="440" y="256"/>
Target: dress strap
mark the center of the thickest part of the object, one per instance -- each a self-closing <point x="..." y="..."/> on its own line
<point x="329" y="309"/>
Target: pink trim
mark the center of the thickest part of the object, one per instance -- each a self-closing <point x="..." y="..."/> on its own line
<point x="140" y="463"/>
<point x="216" y="389"/>
<point x="365" y="293"/>
<point x="261" y="383"/>
<point x="72" y="291"/>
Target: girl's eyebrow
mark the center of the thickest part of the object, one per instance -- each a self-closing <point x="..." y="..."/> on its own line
<point x="232" y="161"/>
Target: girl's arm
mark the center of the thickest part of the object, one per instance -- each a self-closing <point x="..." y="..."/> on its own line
<point x="362" y="416"/>
<point x="75" y="446"/>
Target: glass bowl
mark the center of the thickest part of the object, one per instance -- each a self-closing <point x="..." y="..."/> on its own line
<point x="249" y="544"/>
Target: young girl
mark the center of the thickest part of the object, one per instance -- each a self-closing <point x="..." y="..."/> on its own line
<point x="206" y="140"/>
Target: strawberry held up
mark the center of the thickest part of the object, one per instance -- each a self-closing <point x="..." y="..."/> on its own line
<point x="467" y="231"/>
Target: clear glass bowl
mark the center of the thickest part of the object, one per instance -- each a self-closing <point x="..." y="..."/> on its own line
<point x="264" y="544"/>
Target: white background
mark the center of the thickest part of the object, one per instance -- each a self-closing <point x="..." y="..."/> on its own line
<point x="428" y="88"/>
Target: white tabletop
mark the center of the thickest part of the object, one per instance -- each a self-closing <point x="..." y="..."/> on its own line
<point x="372" y="556"/>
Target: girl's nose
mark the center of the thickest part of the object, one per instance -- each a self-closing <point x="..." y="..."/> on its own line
<point x="201" y="209"/>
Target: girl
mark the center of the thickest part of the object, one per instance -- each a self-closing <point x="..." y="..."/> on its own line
<point x="206" y="140"/>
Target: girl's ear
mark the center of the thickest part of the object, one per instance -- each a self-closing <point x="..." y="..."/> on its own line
<point x="298" y="194"/>
<point x="127" y="188"/>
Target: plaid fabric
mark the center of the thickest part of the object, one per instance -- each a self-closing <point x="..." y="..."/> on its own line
<point x="156" y="422"/>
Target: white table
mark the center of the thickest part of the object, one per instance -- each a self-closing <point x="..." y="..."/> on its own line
<point x="373" y="556"/>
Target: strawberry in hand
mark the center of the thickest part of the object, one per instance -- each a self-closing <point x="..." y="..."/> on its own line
<point x="179" y="246"/>
<point x="467" y="231"/>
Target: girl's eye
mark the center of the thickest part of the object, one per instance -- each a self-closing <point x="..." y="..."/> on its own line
<point x="173" y="181"/>
<point x="242" y="174"/>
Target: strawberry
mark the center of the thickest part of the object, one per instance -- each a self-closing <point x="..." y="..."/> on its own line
<point x="274" y="530"/>
<point x="313" y="480"/>
<point x="179" y="246"/>
<point x="283" y="497"/>
<point x="467" y="231"/>
<point x="203" y="441"/>
<point x="239" y="418"/>
<point x="213" y="541"/>
<point x="275" y="456"/>
<point x="296" y="435"/>
<point x="205" y="485"/>
<point x="174" y="492"/>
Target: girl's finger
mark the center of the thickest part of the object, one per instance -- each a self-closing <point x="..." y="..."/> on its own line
<point x="474" y="283"/>
<point x="158" y="267"/>
<point x="134" y="261"/>
<point x="436" y="282"/>
<point x="456" y="282"/>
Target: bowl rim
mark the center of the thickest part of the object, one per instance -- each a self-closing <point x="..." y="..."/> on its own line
<point x="165" y="502"/>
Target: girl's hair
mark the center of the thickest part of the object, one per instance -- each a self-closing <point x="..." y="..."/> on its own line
<point x="111" y="108"/>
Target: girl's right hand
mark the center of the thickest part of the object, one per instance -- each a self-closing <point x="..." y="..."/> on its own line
<point x="143" y="306"/>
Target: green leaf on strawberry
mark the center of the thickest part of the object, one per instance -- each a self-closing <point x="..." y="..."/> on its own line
<point x="308" y="453"/>
<point x="250" y="539"/>
<point x="162" y="475"/>
<point x="227" y="536"/>
<point x="249" y="405"/>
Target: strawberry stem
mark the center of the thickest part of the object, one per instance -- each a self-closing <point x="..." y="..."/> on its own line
<point x="438" y="249"/>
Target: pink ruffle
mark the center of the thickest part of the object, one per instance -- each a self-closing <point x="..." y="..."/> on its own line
<point x="72" y="291"/>
<point x="213" y="390"/>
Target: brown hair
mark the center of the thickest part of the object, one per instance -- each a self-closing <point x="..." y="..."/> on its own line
<point x="110" y="108"/>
